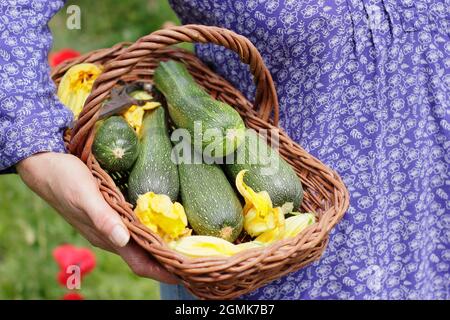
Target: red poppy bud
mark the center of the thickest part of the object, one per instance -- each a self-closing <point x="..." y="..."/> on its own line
<point x="72" y="296"/>
<point x="62" y="55"/>
<point x="68" y="256"/>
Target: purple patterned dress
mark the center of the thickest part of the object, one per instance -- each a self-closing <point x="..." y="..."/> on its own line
<point x="364" y="85"/>
<point x="32" y="119"/>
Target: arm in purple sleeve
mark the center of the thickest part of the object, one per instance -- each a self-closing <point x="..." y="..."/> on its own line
<point x="32" y="119"/>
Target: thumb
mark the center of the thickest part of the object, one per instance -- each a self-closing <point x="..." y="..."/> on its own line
<point x="106" y="220"/>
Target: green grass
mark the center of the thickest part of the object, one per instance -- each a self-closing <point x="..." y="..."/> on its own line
<point x="29" y="228"/>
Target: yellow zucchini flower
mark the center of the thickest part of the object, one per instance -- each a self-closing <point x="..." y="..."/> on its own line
<point x="208" y="246"/>
<point x="260" y="218"/>
<point x="159" y="214"/>
<point x="275" y="233"/>
<point x="76" y="85"/>
<point x="249" y="245"/>
<point x="203" y="246"/>
<point x="297" y="223"/>
<point x="134" y="114"/>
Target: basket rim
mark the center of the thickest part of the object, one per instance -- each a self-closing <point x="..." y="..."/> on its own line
<point x="178" y="262"/>
<point x="264" y="250"/>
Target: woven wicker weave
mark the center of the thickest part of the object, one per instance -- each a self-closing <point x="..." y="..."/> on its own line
<point x="325" y="193"/>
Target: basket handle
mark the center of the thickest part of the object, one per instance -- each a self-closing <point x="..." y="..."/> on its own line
<point x="266" y="101"/>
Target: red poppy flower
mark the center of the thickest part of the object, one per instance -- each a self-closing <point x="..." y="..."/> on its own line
<point x="62" y="55"/>
<point x="72" y="296"/>
<point x="68" y="255"/>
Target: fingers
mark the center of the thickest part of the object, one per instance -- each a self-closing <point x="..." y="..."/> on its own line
<point x="105" y="219"/>
<point x="139" y="261"/>
<point x="82" y="204"/>
<point x="143" y="265"/>
<point x="45" y="174"/>
<point x="91" y="235"/>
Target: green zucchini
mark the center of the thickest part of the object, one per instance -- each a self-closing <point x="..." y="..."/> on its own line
<point x="154" y="169"/>
<point x="116" y="145"/>
<point x="210" y="202"/>
<point x="267" y="170"/>
<point x="214" y="126"/>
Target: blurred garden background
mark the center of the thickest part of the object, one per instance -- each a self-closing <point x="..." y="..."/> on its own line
<point x="29" y="228"/>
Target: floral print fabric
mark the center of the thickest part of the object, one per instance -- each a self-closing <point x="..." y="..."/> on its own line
<point x="364" y="86"/>
<point x="32" y="119"/>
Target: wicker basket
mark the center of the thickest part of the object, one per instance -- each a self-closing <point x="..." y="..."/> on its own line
<point x="212" y="278"/>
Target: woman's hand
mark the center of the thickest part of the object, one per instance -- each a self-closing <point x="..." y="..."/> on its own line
<point x="67" y="185"/>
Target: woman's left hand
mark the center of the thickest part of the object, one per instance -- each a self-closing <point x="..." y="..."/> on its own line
<point x="67" y="185"/>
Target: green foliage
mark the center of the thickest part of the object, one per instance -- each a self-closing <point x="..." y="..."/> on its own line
<point x="30" y="230"/>
<point x="105" y="23"/>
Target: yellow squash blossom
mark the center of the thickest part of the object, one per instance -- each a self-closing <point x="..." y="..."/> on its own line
<point x="76" y="85"/>
<point x="249" y="245"/>
<point x="276" y="233"/>
<point x="208" y="246"/>
<point x="297" y="223"/>
<point x="159" y="214"/>
<point x="135" y="114"/>
<point x="260" y="218"/>
<point x="203" y="246"/>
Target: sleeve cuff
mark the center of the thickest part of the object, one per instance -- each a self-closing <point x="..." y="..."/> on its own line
<point x="48" y="144"/>
<point x="37" y="132"/>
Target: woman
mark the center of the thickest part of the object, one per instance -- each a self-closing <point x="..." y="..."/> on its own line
<point x="364" y="86"/>
<point x="32" y="121"/>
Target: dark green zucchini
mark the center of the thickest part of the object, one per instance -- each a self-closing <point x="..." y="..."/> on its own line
<point x="116" y="145"/>
<point x="211" y="204"/>
<point x="154" y="169"/>
<point x="218" y="128"/>
<point x="267" y="170"/>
